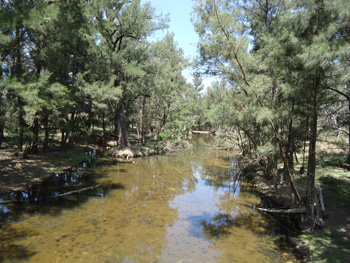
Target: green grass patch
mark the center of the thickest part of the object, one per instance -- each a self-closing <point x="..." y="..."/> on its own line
<point x="75" y="157"/>
<point x="336" y="190"/>
<point x="327" y="247"/>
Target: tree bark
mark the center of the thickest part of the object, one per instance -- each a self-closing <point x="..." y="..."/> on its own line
<point x="21" y="124"/>
<point x="18" y="73"/>
<point x="142" y="121"/>
<point x="115" y="120"/>
<point x="34" y="148"/>
<point x="2" y="136"/>
<point x="311" y="168"/>
<point x="123" y="132"/>
<point x="290" y="144"/>
<point x="46" y="136"/>
<point x="63" y="139"/>
<point x="349" y="137"/>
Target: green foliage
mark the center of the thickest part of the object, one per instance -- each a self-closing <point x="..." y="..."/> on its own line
<point x="292" y="43"/>
<point x="77" y="66"/>
<point x="225" y="139"/>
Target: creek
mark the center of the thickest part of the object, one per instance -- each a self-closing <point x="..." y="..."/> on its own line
<point x="191" y="206"/>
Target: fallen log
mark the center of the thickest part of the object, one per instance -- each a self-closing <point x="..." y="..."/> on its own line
<point x="77" y="191"/>
<point x="218" y="148"/>
<point x="55" y="196"/>
<point x="201" y="132"/>
<point x="284" y="211"/>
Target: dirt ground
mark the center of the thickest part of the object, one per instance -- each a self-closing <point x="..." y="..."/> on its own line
<point x="17" y="173"/>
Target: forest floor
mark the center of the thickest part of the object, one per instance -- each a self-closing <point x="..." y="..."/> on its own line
<point x="16" y="173"/>
<point x="331" y="243"/>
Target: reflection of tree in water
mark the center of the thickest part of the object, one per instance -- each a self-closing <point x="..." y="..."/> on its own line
<point x="224" y="223"/>
<point x="13" y="250"/>
<point x="221" y="172"/>
<point x="39" y="199"/>
<point x="236" y="202"/>
<point x="221" y="177"/>
<point x="219" y="225"/>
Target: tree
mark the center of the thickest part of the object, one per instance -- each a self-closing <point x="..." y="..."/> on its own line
<point x="121" y="28"/>
<point x="297" y="49"/>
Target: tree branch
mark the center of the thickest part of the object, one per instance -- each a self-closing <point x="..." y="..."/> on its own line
<point x="340" y="92"/>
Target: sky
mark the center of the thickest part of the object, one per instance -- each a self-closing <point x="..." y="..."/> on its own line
<point x="180" y="24"/>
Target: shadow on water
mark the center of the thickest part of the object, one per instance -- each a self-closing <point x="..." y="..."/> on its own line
<point x="230" y="180"/>
<point x="60" y="191"/>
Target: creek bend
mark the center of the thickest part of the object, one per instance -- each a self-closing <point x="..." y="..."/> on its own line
<point x="187" y="207"/>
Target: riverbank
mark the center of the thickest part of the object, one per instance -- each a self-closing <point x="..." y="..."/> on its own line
<point x="331" y="243"/>
<point x="151" y="148"/>
<point x="17" y="174"/>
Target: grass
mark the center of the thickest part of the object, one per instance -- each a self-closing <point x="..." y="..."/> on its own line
<point x="332" y="243"/>
<point x="327" y="247"/>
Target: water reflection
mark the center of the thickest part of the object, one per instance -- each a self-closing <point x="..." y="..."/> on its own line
<point x="189" y="207"/>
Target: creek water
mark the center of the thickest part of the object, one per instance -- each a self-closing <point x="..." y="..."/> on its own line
<point x="191" y="206"/>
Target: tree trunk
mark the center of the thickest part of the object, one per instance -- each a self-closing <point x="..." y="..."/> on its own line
<point x="290" y="144"/>
<point x="123" y="132"/>
<point x="90" y="117"/>
<point x="18" y="73"/>
<point x="142" y="121"/>
<point x="46" y="137"/>
<point x="103" y="137"/>
<point x="240" y="143"/>
<point x="311" y="168"/>
<point x="116" y="129"/>
<point x="156" y="136"/>
<point x="349" y="137"/>
<point x="2" y="136"/>
<point x="63" y="139"/>
<point x="34" y="148"/>
<point x="21" y="124"/>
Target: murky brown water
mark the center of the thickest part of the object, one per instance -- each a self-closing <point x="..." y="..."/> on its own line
<point x="188" y="207"/>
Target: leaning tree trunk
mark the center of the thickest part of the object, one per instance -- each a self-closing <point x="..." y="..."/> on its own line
<point x="123" y="132"/>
